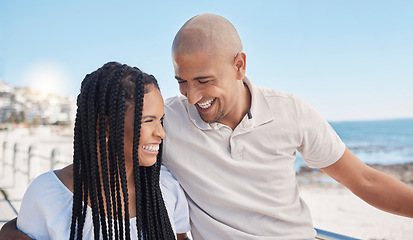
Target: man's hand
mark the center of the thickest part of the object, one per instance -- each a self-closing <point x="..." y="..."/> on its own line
<point x="9" y="231"/>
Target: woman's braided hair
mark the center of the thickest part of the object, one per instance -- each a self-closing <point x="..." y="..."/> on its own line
<point x="99" y="160"/>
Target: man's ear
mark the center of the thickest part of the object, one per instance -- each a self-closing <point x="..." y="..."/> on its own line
<point x="240" y="62"/>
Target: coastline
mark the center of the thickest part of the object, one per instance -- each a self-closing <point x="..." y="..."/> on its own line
<point x="402" y="172"/>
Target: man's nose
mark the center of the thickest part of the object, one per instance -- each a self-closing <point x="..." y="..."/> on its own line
<point x="193" y="94"/>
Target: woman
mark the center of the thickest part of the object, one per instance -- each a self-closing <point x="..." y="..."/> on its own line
<point x="116" y="167"/>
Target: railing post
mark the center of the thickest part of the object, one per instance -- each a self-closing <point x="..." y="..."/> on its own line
<point x="16" y="151"/>
<point x="30" y="170"/>
<point x="3" y="159"/>
<point x="54" y="158"/>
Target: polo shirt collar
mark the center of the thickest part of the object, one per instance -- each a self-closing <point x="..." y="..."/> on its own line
<point x="259" y="113"/>
<point x="260" y="110"/>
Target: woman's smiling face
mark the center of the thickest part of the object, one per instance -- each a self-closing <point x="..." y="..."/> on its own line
<point x="151" y="133"/>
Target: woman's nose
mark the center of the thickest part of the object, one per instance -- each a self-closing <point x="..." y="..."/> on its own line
<point x="159" y="131"/>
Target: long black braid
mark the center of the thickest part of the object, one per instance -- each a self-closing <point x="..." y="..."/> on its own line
<point x="99" y="174"/>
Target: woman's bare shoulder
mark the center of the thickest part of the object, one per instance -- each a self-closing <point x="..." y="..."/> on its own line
<point x="65" y="175"/>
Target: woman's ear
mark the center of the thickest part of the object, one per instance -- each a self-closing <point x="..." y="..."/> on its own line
<point x="240" y="65"/>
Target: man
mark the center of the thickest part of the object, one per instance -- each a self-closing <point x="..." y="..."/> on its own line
<point x="232" y="145"/>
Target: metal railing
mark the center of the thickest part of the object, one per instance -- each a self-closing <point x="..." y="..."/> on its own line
<point x="19" y="166"/>
<point x="27" y="162"/>
<point x="326" y="235"/>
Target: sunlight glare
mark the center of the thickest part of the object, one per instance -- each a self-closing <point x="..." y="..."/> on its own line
<point x="48" y="77"/>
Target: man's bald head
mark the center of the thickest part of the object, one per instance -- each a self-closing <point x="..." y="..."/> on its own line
<point x="207" y="32"/>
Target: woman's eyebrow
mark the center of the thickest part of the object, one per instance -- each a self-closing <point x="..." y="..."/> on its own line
<point x="148" y="116"/>
<point x="151" y="116"/>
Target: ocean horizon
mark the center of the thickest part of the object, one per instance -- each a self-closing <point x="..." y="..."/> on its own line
<point x="383" y="142"/>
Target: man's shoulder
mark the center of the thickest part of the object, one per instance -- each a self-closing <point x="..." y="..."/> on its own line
<point x="274" y="93"/>
<point x="176" y="110"/>
<point x="273" y="96"/>
<point x="266" y="92"/>
<point x="174" y="100"/>
<point x="176" y="104"/>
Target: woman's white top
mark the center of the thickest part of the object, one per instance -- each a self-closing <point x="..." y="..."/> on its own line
<point x="46" y="209"/>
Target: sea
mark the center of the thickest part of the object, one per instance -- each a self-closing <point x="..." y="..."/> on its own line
<point x="375" y="142"/>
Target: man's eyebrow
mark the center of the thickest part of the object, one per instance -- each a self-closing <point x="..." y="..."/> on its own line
<point x="203" y="77"/>
<point x="197" y="78"/>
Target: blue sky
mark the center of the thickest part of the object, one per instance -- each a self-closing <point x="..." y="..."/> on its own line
<point x="351" y="60"/>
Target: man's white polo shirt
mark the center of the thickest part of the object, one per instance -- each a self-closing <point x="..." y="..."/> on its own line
<point x="241" y="184"/>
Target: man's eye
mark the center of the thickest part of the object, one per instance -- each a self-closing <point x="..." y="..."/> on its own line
<point x="203" y="82"/>
<point x="181" y="81"/>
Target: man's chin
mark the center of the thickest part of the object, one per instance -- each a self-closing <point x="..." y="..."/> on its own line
<point x="208" y="119"/>
<point x="205" y="119"/>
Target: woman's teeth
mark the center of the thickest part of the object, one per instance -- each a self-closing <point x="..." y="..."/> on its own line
<point x="151" y="148"/>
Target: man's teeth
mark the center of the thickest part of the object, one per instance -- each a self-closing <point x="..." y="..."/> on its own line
<point x="151" y="148"/>
<point x="206" y="104"/>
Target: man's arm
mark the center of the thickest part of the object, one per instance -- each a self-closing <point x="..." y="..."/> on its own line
<point x="9" y="231"/>
<point x="181" y="236"/>
<point x="374" y="187"/>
